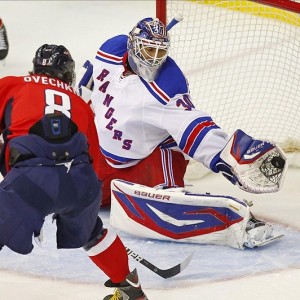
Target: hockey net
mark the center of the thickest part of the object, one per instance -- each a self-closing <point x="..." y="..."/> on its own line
<point x="242" y="61"/>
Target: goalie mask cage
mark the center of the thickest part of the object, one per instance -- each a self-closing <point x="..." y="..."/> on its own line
<point x="242" y="61"/>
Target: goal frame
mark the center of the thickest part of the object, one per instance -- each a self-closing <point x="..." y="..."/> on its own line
<point x="161" y="6"/>
<point x="287" y="6"/>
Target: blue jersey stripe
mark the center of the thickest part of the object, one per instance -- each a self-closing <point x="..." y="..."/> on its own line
<point x="199" y="139"/>
<point x="153" y="93"/>
<point x="108" y="61"/>
<point x="118" y="159"/>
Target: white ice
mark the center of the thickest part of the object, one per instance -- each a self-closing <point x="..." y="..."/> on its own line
<point x="269" y="273"/>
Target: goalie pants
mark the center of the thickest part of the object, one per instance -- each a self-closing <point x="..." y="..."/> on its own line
<point x="162" y="167"/>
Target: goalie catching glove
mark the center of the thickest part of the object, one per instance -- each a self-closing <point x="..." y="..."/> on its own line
<point x="256" y="166"/>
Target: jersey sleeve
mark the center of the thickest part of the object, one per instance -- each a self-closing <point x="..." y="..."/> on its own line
<point x="194" y="131"/>
<point x="7" y="85"/>
<point x="92" y="139"/>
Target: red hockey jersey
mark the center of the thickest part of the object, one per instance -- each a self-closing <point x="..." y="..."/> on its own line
<point x="25" y="100"/>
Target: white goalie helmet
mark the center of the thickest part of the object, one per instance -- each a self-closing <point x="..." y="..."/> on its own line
<point x="148" y="45"/>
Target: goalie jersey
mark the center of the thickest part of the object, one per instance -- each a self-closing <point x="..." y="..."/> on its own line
<point x="134" y="117"/>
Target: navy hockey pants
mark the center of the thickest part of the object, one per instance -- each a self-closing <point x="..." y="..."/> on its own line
<point x="29" y="193"/>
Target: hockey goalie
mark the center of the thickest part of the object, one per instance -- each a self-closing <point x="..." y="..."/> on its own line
<point x="148" y="127"/>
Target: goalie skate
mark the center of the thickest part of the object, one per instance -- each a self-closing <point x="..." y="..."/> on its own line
<point x="259" y="233"/>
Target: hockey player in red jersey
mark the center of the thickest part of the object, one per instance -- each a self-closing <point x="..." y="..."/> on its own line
<point x="50" y="162"/>
<point x="147" y="127"/>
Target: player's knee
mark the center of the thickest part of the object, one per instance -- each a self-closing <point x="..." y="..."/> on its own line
<point x="96" y="235"/>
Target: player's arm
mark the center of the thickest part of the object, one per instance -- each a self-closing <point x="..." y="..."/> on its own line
<point x="93" y="141"/>
<point x="7" y="85"/>
<point x="256" y="166"/>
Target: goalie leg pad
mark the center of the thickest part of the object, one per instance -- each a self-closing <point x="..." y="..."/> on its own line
<point x="178" y="215"/>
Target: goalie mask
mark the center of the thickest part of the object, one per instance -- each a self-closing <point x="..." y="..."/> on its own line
<point x="55" y="62"/>
<point x="148" y="45"/>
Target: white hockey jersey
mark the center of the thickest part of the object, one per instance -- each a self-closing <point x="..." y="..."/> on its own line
<point x="133" y="116"/>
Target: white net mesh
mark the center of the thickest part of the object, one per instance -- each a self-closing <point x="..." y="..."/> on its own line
<point x="242" y="60"/>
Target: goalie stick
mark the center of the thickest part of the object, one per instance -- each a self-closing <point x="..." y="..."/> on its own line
<point x="174" y="21"/>
<point x="165" y="273"/>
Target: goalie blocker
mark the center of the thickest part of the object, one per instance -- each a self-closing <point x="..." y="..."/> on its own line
<point x="178" y="215"/>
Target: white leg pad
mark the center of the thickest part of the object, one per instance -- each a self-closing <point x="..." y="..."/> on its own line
<point x="177" y="215"/>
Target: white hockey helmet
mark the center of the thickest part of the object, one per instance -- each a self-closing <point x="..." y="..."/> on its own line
<point x="148" y="45"/>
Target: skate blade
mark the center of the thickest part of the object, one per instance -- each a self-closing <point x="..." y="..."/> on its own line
<point x="269" y="240"/>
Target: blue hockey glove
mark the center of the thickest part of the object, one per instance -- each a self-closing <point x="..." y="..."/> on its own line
<point x="85" y="79"/>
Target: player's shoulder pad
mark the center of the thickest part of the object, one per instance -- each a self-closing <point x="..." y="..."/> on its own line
<point x="7" y="79"/>
<point x="169" y="83"/>
<point x="113" y="50"/>
<point x="10" y="81"/>
<point x="9" y="85"/>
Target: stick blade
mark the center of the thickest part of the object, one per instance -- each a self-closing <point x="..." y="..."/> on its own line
<point x="171" y="272"/>
<point x="186" y="262"/>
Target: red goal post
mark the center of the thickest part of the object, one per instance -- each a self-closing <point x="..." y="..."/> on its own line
<point x="242" y="61"/>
